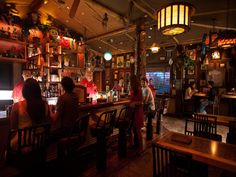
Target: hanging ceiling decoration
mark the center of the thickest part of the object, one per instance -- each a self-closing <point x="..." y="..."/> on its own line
<point x="174" y="18"/>
<point x="227" y="38"/>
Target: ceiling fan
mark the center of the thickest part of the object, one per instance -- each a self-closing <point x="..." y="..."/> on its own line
<point x="73" y="9"/>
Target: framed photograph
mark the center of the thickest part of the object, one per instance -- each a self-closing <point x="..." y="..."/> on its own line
<point x="190" y="70"/>
<point x="127" y="65"/>
<point x="203" y="67"/>
<point x="121" y="74"/>
<point x="191" y="80"/>
<point x="162" y="58"/>
<point x="108" y="64"/>
<point x="120" y="61"/>
<point x="192" y="54"/>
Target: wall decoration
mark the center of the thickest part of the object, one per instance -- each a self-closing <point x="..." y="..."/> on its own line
<point x="120" y="61"/>
<point x="203" y="67"/>
<point x="190" y="70"/>
<point x="127" y="65"/>
<point x="215" y="55"/>
<point x="191" y="81"/>
<point x="162" y="58"/>
<point x="192" y="54"/>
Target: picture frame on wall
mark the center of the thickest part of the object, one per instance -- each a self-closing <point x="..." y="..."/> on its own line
<point x="191" y="81"/>
<point x="190" y="70"/>
<point x="120" y="61"/>
<point x="192" y="54"/>
<point x="203" y="67"/>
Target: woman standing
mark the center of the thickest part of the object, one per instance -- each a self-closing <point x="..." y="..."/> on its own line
<point x="136" y="104"/>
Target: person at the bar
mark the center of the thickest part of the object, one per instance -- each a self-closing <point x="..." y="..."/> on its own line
<point x="119" y="86"/>
<point x="136" y="103"/>
<point x="17" y="90"/>
<point x="148" y="99"/>
<point x="152" y="87"/>
<point x="66" y="111"/>
<point x="89" y="84"/>
<point x="190" y="91"/>
<point x="32" y="110"/>
<point x="211" y="97"/>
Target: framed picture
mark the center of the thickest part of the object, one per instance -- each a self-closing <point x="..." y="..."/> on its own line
<point x="191" y="80"/>
<point x="108" y="64"/>
<point x="121" y="74"/>
<point x="190" y="70"/>
<point x="192" y="54"/>
<point x="127" y="65"/>
<point x="120" y="61"/>
<point x="162" y="58"/>
<point x="203" y="67"/>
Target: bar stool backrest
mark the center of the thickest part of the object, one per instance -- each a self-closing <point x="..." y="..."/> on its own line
<point x="31" y="146"/>
<point x="106" y="121"/>
<point x="170" y="163"/>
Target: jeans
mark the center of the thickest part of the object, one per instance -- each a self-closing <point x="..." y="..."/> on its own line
<point x="204" y="104"/>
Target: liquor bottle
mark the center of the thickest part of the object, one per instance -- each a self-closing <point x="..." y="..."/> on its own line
<point x="107" y="86"/>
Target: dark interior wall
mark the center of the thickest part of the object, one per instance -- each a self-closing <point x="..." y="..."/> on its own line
<point x="6" y="76"/>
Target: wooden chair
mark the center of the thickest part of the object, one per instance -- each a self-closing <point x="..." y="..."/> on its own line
<point x="101" y="130"/>
<point x="31" y="146"/>
<point x="170" y="163"/>
<point x="231" y="135"/>
<point x="189" y="127"/>
<point x="5" y="169"/>
<point x="68" y="146"/>
<point x="205" y="126"/>
<point x="123" y="122"/>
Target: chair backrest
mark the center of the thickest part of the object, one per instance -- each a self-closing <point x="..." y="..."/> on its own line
<point x="67" y="146"/>
<point x="80" y="127"/>
<point x="4" y="129"/>
<point x="231" y="135"/>
<point x="31" y="145"/>
<point x="189" y="127"/>
<point x="106" y="121"/>
<point x="170" y="163"/>
<point x="124" y="116"/>
<point x="204" y="125"/>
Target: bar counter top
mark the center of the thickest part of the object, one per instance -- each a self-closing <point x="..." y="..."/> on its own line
<point x="91" y="106"/>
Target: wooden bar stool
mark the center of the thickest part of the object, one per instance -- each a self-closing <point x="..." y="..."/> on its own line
<point x="101" y="130"/>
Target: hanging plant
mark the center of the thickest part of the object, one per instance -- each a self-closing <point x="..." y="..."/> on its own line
<point x="185" y="60"/>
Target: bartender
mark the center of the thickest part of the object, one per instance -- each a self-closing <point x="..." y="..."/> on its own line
<point x="119" y="86"/>
<point x="89" y="84"/>
<point x="17" y="90"/>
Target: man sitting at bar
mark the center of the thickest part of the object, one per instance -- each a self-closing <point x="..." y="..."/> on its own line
<point x="211" y="97"/>
<point x="66" y="109"/>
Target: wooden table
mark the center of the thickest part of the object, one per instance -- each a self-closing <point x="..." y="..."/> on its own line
<point x="221" y="119"/>
<point x="207" y="151"/>
<point x="231" y="99"/>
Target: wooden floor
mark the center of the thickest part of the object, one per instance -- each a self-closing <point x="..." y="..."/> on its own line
<point x="137" y="164"/>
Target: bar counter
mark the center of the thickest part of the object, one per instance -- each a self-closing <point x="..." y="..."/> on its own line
<point x="102" y="106"/>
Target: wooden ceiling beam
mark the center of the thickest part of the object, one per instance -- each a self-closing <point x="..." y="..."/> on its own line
<point x="110" y="11"/>
<point x="131" y="28"/>
<point x="35" y="5"/>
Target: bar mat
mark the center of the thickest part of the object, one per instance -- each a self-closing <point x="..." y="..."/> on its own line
<point x="181" y="138"/>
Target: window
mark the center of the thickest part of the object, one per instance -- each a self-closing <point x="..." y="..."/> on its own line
<point x="161" y="81"/>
